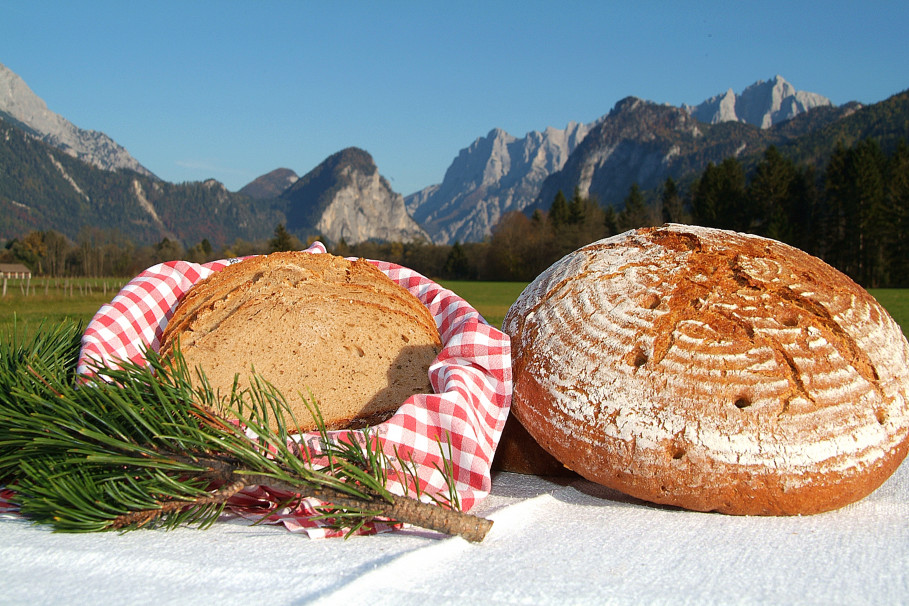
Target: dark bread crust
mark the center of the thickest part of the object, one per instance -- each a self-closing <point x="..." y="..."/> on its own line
<point x="518" y="452"/>
<point x="711" y="370"/>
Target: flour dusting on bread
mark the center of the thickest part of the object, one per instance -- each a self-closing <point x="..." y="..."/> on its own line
<point x="711" y="370"/>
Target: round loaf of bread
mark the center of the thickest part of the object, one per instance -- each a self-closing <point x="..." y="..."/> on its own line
<point x="713" y="371"/>
<point x="304" y="322"/>
<point x="518" y="452"/>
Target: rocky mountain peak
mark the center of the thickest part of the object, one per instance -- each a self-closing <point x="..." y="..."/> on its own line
<point x="270" y="185"/>
<point x="345" y="197"/>
<point x="628" y="104"/>
<point x="495" y="174"/>
<point x="24" y="107"/>
<point x="634" y="143"/>
<point x="762" y="104"/>
<point x="634" y="118"/>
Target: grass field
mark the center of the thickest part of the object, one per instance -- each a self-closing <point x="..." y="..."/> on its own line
<point x="896" y="302"/>
<point x="79" y="299"/>
<point x="491" y="299"/>
<point x="55" y="300"/>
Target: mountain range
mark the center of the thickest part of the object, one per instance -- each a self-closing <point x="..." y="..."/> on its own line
<point x="496" y="174"/>
<point x="22" y="107"/>
<point x="635" y="142"/>
<point x="762" y="104"/>
<point x="644" y="143"/>
<point x="58" y="176"/>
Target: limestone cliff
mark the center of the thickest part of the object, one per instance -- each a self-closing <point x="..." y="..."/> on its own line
<point x="30" y="112"/>
<point x="762" y="104"/>
<point x="346" y="197"/>
<point x="496" y="174"/>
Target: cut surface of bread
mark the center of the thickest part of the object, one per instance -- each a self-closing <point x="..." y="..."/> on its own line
<point x="309" y="323"/>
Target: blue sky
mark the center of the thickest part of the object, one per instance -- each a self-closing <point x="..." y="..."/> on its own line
<point x="232" y="90"/>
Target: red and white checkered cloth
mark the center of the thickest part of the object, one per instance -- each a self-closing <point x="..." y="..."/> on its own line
<point x="471" y="379"/>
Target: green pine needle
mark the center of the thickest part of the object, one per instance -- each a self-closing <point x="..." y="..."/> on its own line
<point x="140" y="447"/>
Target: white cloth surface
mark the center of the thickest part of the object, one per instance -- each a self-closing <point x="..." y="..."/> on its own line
<point x="553" y="542"/>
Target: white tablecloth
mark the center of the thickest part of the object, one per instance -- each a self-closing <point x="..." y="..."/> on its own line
<point x="554" y="542"/>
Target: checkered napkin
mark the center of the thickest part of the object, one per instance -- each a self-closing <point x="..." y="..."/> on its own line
<point x="471" y="380"/>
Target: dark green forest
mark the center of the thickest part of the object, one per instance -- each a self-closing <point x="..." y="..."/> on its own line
<point x="42" y="187"/>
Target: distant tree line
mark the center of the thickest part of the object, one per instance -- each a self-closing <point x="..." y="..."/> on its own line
<point x="852" y="212"/>
<point x="106" y="252"/>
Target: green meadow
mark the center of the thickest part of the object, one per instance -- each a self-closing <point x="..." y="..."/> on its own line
<point x="55" y="300"/>
<point x="52" y="300"/>
<point x="78" y="299"/>
<point x="491" y="299"/>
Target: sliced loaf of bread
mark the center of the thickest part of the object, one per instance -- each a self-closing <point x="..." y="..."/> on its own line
<point x="309" y="323"/>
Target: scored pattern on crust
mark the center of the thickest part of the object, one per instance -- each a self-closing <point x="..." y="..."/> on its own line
<point x="671" y="360"/>
<point x="471" y="376"/>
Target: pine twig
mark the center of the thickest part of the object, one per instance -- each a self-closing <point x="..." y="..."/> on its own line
<point x="141" y="447"/>
<point x="405" y="510"/>
<point x="393" y="507"/>
<point x="144" y="517"/>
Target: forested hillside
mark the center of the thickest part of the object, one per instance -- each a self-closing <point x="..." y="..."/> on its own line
<point x="840" y="192"/>
<point x="42" y="187"/>
<point x="852" y="212"/>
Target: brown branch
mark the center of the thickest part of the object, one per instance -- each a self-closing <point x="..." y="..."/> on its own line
<point x="401" y="509"/>
<point x="145" y="516"/>
<point x="433" y="517"/>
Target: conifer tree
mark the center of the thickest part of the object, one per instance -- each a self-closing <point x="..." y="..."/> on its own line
<point x="457" y="265"/>
<point x="842" y="213"/>
<point x="577" y="208"/>
<point x="635" y="213"/>
<point x="718" y="195"/>
<point x="898" y="207"/>
<point x="854" y="189"/>
<point x="770" y="197"/>
<point x="807" y="215"/>
<point x="870" y="167"/>
<point x="610" y="222"/>
<point x="672" y="208"/>
<point x="558" y="212"/>
<point x="282" y="240"/>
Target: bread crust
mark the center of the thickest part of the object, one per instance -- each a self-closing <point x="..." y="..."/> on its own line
<point x="518" y="452"/>
<point x="713" y="371"/>
<point x="338" y="328"/>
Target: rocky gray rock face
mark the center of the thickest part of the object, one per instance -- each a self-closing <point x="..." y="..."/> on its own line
<point x="496" y="174"/>
<point x="270" y="185"/>
<point x="18" y="102"/>
<point x="346" y="197"/>
<point x="637" y="142"/>
<point x="762" y="104"/>
<point x="500" y="173"/>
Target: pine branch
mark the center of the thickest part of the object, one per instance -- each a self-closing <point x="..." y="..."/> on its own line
<point x="53" y="349"/>
<point x="140" y="447"/>
<point x="394" y="507"/>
